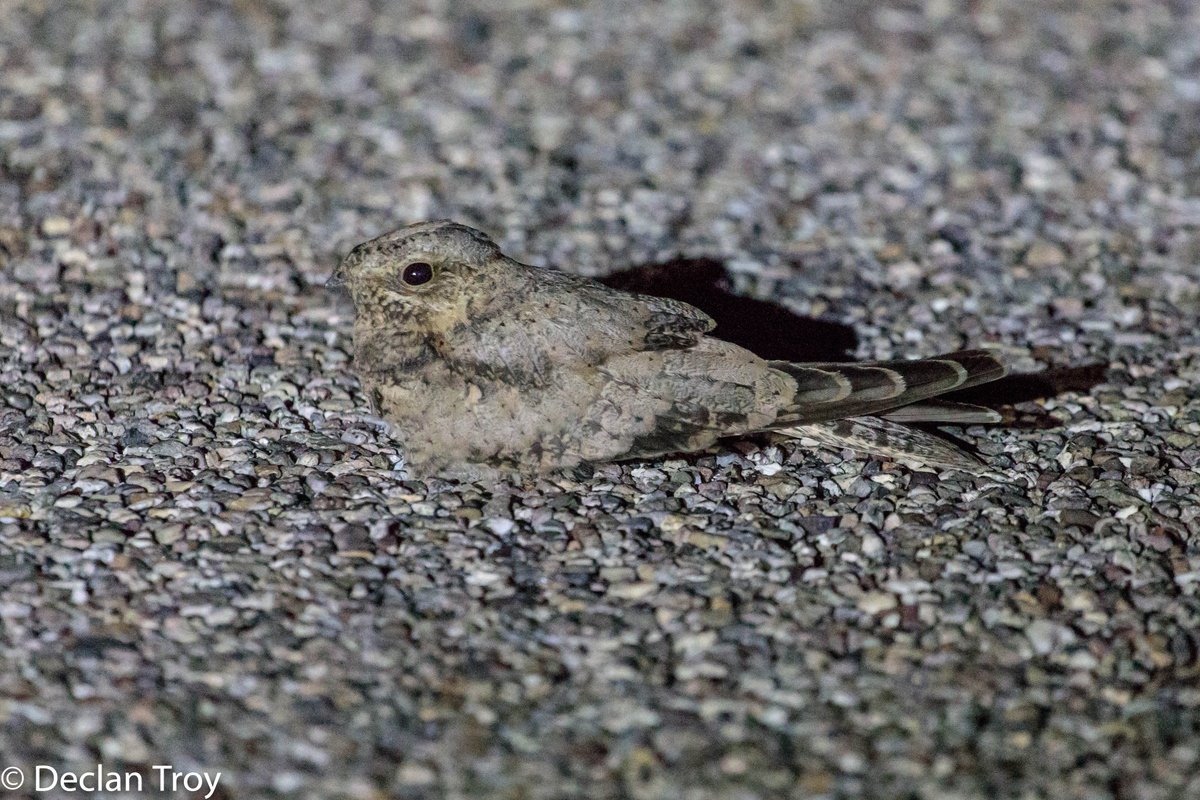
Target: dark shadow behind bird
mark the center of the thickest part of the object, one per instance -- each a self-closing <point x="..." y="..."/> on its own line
<point x="764" y="328"/>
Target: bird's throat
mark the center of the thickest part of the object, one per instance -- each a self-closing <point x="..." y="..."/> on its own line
<point x="387" y="349"/>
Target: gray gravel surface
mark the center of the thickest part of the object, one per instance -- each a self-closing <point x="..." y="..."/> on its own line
<point x="210" y="557"/>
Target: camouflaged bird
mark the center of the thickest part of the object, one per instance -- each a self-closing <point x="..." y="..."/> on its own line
<point x="484" y="364"/>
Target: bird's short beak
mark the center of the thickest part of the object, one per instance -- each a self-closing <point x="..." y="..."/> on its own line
<point x="338" y="278"/>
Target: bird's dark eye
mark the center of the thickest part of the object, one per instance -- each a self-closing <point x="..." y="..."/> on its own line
<point x="417" y="273"/>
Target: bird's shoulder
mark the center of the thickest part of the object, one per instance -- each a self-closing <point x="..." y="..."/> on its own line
<point x="614" y="320"/>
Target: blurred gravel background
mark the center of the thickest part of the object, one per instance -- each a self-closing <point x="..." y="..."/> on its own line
<point x="210" y="559"/>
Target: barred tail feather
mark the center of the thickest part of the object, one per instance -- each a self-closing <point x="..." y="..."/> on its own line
<point x="944" y="412"/>
<point x="835" y="391"/>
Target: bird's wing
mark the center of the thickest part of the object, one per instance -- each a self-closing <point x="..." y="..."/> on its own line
<point x="611" y="321"/>
<point x="875" y="436"/>
<point x="671" y="324"/>
<point x="655" y="402"/>
<point x="558" y="321"/>
<point x="684" y="400"/>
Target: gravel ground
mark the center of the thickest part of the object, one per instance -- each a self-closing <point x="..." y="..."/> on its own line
<point x="211" y="558"/>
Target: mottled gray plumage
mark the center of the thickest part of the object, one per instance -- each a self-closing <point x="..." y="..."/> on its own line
<point x="493" y="364"/>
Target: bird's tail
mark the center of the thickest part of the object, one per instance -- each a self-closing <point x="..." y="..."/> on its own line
<point x="860" y="406"/>
<point x="899" y="390"/>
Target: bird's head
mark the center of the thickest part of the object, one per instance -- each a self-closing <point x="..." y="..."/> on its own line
<point x="420" y="272"/>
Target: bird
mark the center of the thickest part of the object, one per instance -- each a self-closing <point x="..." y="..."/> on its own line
<point x="485" y="367"/>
